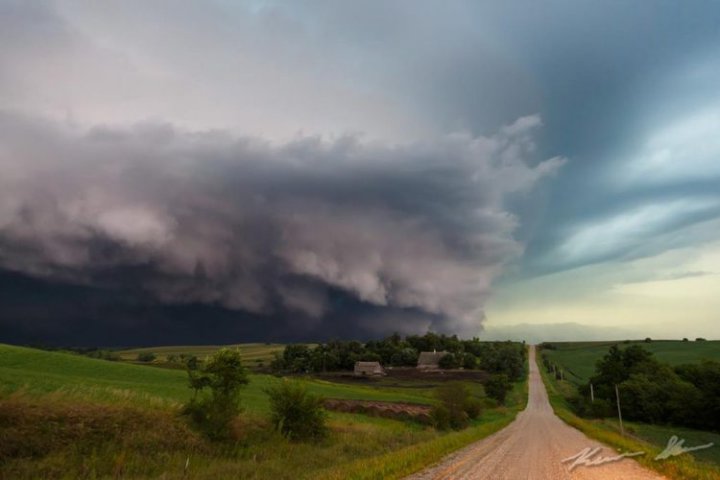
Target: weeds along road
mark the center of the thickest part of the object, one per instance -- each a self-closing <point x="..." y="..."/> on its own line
<point x="532" y="448"/>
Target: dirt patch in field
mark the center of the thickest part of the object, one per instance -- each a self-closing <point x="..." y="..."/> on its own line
<point x="396" y="410"/>
<point x="436" y="375"/>
<point x="407" y="377"/>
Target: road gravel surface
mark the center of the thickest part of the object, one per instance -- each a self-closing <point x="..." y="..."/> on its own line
<point x="533" y="447"/>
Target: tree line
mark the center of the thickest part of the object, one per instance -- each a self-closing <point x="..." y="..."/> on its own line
<point x="652" y="391"/>
<point x="494" y="357"/>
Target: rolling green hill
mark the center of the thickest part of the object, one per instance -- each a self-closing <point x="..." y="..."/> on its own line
<point x="38" y="371"/>
<point x="579" y="358"/>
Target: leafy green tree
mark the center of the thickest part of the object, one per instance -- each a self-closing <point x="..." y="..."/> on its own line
<point x="504" y="357"/>
<point x="296" y="358"/>
<point x="224" y="375"/>
<point x="469" y="361"/>
<point x="191" y="361"/>
<point x="704" y="376"/>
<point x="449" y="361"/>
<point x="650" y="391"/>
<point x="498" y="386"/>
<point x="616" y="367"/>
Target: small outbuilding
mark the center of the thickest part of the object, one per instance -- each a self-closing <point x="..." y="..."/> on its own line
<point x="369" y="369"/>
<point x="430" y="360"/>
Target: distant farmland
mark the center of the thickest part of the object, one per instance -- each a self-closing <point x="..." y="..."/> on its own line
<point x="579" y="358"/>
<point x="251" y="352"/>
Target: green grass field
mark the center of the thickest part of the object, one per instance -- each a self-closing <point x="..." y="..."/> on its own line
<point x="44" y="372"/>
<point x="579" y="358"/>
<point x="77" y="417"/>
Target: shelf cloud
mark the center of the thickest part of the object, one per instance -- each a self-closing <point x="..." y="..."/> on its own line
<point x="267" y="228"/>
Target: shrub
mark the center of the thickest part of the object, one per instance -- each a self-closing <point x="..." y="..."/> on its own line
<point x="146" y="357"/>
<point x="585" y="408"/>
<point x="224" y="375"/>
<point x="295" y="413"/>
<point x="440" y="417"/>
<point x="103" y="355"/>
<point x="497" y="387"/>
<point x="473" y="407"/>
<point x="455" y="408"/>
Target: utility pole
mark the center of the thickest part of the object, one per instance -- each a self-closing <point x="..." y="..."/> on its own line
<point x="617" y="396"/>
<point x="592" y="394"/>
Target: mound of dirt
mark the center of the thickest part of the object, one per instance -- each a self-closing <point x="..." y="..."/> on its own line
<point x="396" y="410"/>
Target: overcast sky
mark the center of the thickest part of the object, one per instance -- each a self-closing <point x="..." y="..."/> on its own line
<point x="177" y="171"/>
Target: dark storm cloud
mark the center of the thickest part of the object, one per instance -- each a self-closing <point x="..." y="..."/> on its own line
<point x="394" y="222"/>
<point x="275" y="230"/>
<point x="609" y="78"/>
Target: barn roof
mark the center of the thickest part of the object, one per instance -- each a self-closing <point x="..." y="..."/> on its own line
<point x="430" y="358"/>
<point x="368" y="365"/>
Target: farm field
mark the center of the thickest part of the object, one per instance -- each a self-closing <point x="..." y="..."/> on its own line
<point x="579" y="358"/>
<point x="39" y="371"/>
<point x="252" y="353"/>
<point x="89" y="418"/>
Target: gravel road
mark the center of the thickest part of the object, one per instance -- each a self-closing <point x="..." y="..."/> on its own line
<point x="532" y="448"/>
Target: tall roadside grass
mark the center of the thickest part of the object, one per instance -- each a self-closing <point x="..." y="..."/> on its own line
<point x="399" y="463"/>
<point x="682" y="467"/>
<point x="56" y="437"/>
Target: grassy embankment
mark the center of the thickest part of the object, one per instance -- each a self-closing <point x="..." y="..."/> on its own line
<point x="67" y="416"/>
<point x="651" y="439"/>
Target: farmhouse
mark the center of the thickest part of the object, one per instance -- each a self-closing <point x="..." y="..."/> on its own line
<point x="430" y="360"/>
<point x="369" y="369"/>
